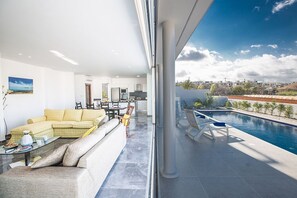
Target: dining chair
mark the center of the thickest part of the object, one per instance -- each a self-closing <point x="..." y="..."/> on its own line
<point x="90" y="106"/>
<point x="126" y="118"/>
<point x="78" y="105"/>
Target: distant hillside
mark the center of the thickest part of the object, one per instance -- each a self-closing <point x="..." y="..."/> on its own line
<point x="290" y="87"/>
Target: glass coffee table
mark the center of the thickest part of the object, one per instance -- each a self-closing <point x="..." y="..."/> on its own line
<point x="26" y="151"/>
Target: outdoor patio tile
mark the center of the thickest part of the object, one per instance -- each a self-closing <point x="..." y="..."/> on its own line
<point x="227" y="187"/>
<point x="212" y="167"/>
<point x="187" y="187"/>
<point x="247" y="166"/>
<point x="283" y="186"/>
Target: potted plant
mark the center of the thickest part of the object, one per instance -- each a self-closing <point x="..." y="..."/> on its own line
<point x="4" y="94"/>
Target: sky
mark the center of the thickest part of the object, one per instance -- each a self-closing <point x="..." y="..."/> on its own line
<point x="243" y="40"/>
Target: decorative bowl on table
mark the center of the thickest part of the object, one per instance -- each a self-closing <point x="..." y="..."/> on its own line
<point x="10" y="145"/>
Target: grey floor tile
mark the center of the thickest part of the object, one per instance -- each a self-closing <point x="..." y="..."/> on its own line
<point x="227" y="187"/>
<point x="122" y="193"/>
<point x="127" y="176"/>
<point x="134" y="155"/>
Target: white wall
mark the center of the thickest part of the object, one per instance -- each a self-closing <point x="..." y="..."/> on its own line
<point x="96" y="83"/>
<point x="2" y="127"/>
<point x="51" y="89"/>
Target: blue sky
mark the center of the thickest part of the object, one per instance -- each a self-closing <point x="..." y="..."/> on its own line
<point x="234" y="33"/>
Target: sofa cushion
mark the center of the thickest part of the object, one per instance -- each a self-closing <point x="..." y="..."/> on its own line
<point x="108" y="126"/>
<point x="88" y="132"/>
<point x="33" y="128"/>
<point x="72" y="115"/>
<point x="54" y="115"/>
<point x="91" y="114"/>
<point x="37" y="119"/>
<point x="78" y="148"/>
<point x="83" y="125"/>
<point x="53" y="158"/>
<point x="63" y="124"/>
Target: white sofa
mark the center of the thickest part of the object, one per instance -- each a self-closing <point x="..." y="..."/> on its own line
<point x="84" y="180"/>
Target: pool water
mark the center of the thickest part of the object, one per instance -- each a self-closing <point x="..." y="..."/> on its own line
<point x="281" y="135"/>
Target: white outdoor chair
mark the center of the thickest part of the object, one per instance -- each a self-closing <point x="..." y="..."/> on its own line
<point x="202" y="125"/>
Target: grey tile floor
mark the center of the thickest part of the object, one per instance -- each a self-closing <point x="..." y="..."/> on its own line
<point x="129" y="176"/>
<point x="229" y="168"/>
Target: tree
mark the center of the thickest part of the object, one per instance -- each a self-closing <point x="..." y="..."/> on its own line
<point x="273" y="106"/>
<point x="213" y="89"/>
<point x="239" y="104"/>
<point x="187" y="84"/>
<point x="237" y="90"/>
<point x="201" y="86"/>
<point x="209" y="100"/>
<point x="289" y="111"/>
<point x="247" y="86"/>
<point x="246" y="105"/>
<point x="266" y="107"/>
<point x="198" y="104"/>
<point x="260" y="107"/>
<point x="228" y="104"/>
<point x="256" y="106"/>
<point x="235" y="104"/>
<point x="281" y="108"/>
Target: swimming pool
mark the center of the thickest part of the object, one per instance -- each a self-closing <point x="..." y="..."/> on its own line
<point x="281" y="135"/>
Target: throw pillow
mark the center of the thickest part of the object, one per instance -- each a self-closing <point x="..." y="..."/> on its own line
<point x="79" y="147"/>
<point x="125" y="120"/>
<point x="88" y="132"/>
<point x="53" y="158"/>
<point x="108" y="126"/>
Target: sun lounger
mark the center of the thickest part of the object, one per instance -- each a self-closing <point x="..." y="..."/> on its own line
<point x="202" y="124"/>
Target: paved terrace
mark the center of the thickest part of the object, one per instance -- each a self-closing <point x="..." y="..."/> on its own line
<point x="240" y="165"/>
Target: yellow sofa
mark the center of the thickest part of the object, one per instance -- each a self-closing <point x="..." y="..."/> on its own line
<point x="68" y="123"/>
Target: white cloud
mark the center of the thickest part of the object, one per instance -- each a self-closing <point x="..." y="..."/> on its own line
<point x="267" y="68"/>
<point x="244" y="51"/>
<point x="274" y="46"/>
<point x="278" y="6"/>
<point x="295" y="42"/>
<point x="256" y="46"/>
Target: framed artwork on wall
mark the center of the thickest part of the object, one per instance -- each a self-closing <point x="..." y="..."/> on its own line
<point x="20" y="85"/>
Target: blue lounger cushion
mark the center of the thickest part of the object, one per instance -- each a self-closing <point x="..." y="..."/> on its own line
<point x="200" y="116"/>
<point x="219" y="123"/>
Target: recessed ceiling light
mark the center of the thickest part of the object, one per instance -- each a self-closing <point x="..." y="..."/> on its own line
<point x="138" y="76"/>
<point x="20" y="54"/>
<point x="29" y="57"/>
<point x="62" y="56"/>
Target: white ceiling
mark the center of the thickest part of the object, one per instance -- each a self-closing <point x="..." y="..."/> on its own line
<point x="102" y="36"/>
<point x="186" y="16"/>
